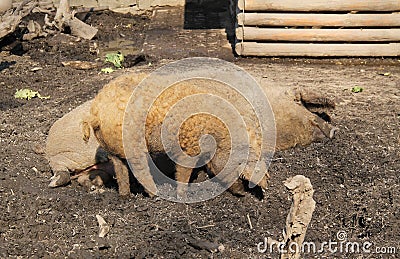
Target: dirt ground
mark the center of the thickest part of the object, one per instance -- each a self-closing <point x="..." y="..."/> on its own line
<point x="355" y="175"/>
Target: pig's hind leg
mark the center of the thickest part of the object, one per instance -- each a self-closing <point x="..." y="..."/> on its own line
<point x="122" y="175"/>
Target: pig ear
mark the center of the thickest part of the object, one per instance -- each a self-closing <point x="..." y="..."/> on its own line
<point x="85" y="131"/>
<point x="316" y="100"/>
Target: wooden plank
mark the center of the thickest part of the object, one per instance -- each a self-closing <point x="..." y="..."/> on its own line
<point x="346" y="35"/>
<point x="312" y="19"/>
<point x="317" y="50"/>
<point x="319" y="5"/>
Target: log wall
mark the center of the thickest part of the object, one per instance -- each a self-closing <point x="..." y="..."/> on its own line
<point x="319" y="5"/>
<point x="318" y="28"/>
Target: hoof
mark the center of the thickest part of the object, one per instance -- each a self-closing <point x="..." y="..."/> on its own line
<point x="150" y="194"/>
<point x="92" y="181"/>
<point x="238" y="189"/>
<point x="60" y="179"/>
<point x="125" y="193"/>
<point x="125" y="196"/>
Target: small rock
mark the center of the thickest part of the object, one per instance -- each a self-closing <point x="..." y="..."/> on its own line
<point x="104" y="227"/>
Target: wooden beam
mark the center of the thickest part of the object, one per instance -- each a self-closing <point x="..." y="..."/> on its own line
<point x="317" y="50"/>
<point x="312" y="19"/>
<point x="345" y="35"/>
<point x="319" y="5"/>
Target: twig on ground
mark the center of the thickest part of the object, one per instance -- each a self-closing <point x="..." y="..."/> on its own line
<point x="249" y="220"/>
<point x="206" y="226"/>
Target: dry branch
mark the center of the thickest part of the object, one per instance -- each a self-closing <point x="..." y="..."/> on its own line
<point x="35" y="30"/>
<point x="64" y="18"/>
<point x="11" y="19"/>
<point x="299" y="216"/>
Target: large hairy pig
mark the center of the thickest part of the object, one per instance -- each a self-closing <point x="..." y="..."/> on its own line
<point x="295" y="125"/>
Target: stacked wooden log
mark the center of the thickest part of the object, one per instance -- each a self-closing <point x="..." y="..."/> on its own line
<point x="318" y="28"/>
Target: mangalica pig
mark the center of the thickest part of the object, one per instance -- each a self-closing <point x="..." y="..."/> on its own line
<point x="295" y="125"/>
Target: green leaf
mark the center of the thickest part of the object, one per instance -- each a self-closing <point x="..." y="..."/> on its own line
<point x="115" y="58"/>
<point x="28" y="94"/>
<point x="357" y="89"/>
<point x="107" y="70"/>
